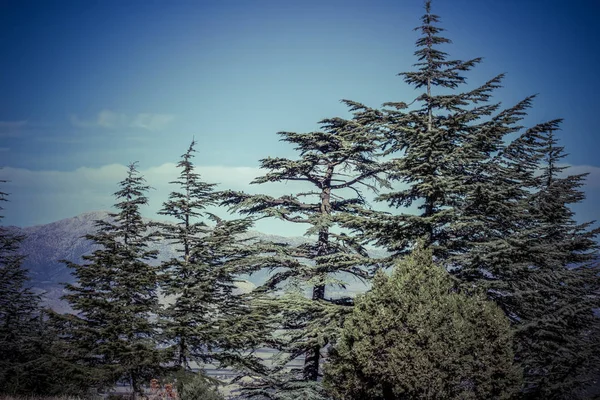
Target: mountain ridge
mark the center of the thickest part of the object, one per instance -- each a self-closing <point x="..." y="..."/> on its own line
<point x="44" y="245"/>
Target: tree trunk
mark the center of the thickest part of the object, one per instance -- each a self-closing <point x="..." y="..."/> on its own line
<point x="134" y="386"/>
<point x="313" y="355"/>
<point x="182" y="356"/>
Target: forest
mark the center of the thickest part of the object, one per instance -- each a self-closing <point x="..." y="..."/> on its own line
<point x="489" y="291"/>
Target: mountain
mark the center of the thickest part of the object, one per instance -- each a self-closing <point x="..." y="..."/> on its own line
<point x="45" y="245"/>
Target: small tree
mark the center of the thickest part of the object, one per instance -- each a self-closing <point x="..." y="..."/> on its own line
<point x="205" y="314"/>
<point x="186" y="316"/>
<point x="115" y="295"/>
<point x="31" y="362"/>
<point x="19" y="316"/>
<point x="415" y="336"/>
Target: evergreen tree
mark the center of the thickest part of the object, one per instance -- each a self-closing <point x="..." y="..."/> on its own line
<point x="57" y="370"/>
<point x="562" y="242"/>
<point x="19" y="316"/>
<point x="31" y="363"/>
<point x="429" y="139"/>
<point x="205" y="314"/>
<point x="115" y="296"/>
<point x="337" y="163"/>
<point x="489" y="215"/>
<point x="196" y="387"/>
<point x="181" y="279"/>
<point x="415" y="336"/>
<point x="520" y="243"/>
<point x="436" y="147"/>
<point x="556" y="295"/>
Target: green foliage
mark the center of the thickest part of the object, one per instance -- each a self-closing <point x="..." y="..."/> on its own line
<point x="494" y="212"/>
<point x="426" y="143"/>
<point x="494" y="207"/>
<point x="285" y="385"/>
<point x="556" y="295"/>
<point x="19" y="318"/>
<point x="415" y="336"/>
<point x="195" y="386"/>
<point x="205" y="314"/>
<point x="31" y="362"/>
<point x="521" y="244"/>
<point x="335" y="164"/>
<point x="115" y="295"/>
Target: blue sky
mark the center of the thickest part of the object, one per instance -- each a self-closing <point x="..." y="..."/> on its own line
<point x="89" y="86"/>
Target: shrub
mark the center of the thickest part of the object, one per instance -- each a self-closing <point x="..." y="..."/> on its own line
<point x="197" y="387"/>
<point x="414" y="335"/>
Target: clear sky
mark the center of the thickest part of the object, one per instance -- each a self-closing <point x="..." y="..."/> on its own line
<point x="89" y="86"/>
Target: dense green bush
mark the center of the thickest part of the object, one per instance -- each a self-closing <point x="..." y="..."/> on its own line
<point x="415" y="336"/>
<point x="197" y="387"/>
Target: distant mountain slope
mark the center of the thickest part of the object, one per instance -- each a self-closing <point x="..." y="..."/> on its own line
<point x="45" y="245"/>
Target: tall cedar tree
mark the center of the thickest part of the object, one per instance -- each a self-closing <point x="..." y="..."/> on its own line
<point x="115" y="295"/>
<point x="563" y="353"/>
<point x="415" y="336"/>
<point x="19" y="317"/>
<point x="338" y="162"/>
<point x="488" y="214"/>
<point x="180" y="278"/>
<point x="538" y="264"/>
<point x="428" y="139"/>
<point x="441" y="149"/>
<point x="206" y="314"/>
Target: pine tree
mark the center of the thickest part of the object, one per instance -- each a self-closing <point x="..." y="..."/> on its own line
<point x="115" y="295"/>
<point x="494" y="223"/>
<point x="557" y="331"/>
<point x="521" y="244"/>
<point x="415" y="336"/>
<point x="31" y="363"/>
<point x="181" y="279"/>
<point x="206" y="314"/>
<point x="433" y="146"/>
<point x="336" y="163"/>
<point x="562" y="241"/>
<point x="19" y="315"/>
<point x="488" y="214"/>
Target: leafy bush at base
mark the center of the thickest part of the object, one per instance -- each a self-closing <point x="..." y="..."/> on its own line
<point x="197" y="387"/>
<point x="415" y="336"/>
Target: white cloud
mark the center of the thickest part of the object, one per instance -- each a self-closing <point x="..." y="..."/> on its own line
<point x="152" y="122"/>
<point x="38" y="197"/>
<point x="108" y="119"/>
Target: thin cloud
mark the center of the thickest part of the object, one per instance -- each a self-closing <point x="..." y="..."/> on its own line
<point x="44" y="196"/>
<point x="11" y="128"/>
<point x="111" y="120"/>
<point x="39" y="197"/>
<point x="80" y="123"/>
<point x="152" y="122"/>
<point x="108" y="119"/>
